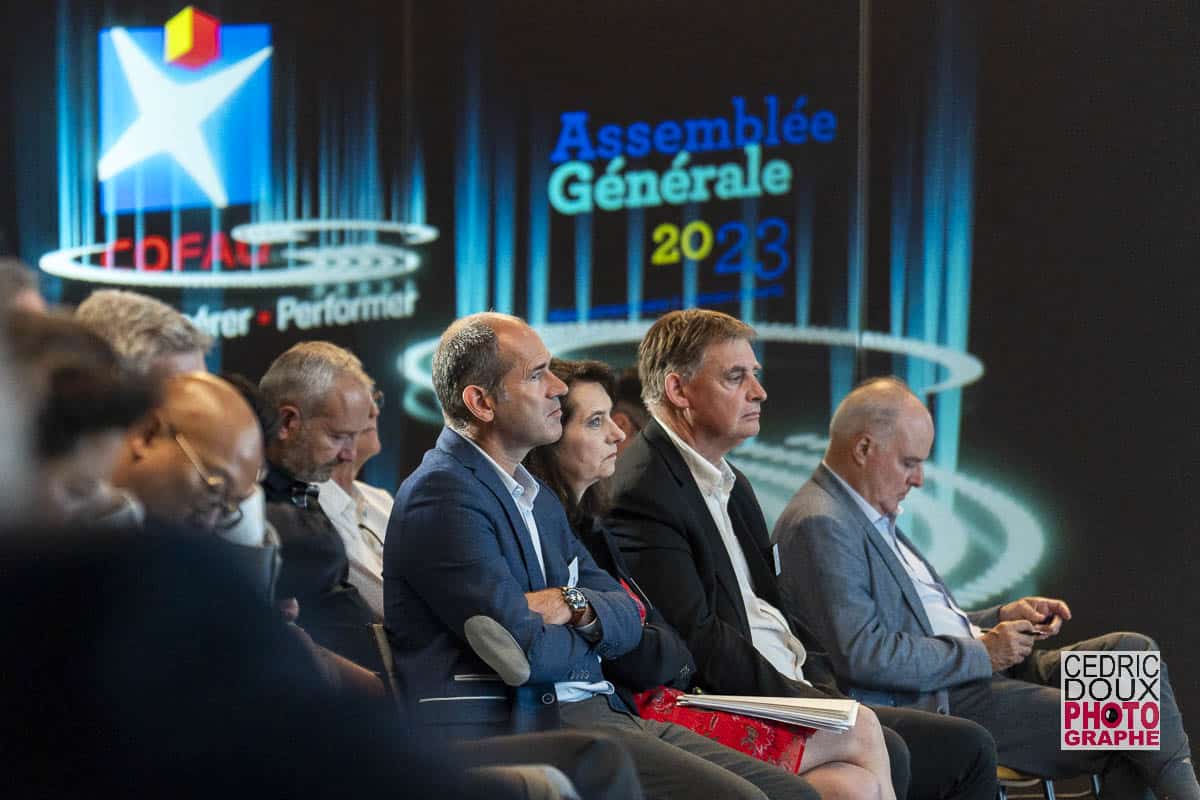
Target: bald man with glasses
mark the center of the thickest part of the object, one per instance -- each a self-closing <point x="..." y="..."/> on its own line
<point x="197" y="457"/>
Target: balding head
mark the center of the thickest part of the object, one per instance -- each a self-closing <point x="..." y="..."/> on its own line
<point x="492" y="376"/>
<point x="197" y="456"/>
<point x="874" y="406"/>
<point x="879" y="439"/>
<point x="469" y="354"/>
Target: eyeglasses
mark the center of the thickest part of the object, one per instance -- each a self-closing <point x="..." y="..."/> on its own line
<point x="231" y="512"/>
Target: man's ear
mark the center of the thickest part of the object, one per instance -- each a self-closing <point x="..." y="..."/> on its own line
<point x="142" y="434"/>
<point x="481" y="404"/>
<point x="289" y="421"/>
<point x="862" y="447"/>
<point x="674" y="391"/>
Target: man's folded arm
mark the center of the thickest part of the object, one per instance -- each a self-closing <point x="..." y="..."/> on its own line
<point x="619" y="619"/>
<point x="825" y="581"/>
<point x="454" y="562"/>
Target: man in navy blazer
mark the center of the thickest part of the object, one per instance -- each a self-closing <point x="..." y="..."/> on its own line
<point x="472" y="534"/>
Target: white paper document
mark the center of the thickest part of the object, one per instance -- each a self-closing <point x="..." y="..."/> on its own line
<point x="828" y="714"/>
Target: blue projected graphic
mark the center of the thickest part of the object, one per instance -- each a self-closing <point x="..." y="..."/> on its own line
<point x="173" y="137"/>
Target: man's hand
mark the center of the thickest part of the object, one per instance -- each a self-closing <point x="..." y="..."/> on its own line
<point x="1009" y="643"/>
<point x="550" y="605"/>
<point x="1047" y="613"/>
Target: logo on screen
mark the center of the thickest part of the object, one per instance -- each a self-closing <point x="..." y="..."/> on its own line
<point x="185" y="114"/>
<point x="1110" y="700"/>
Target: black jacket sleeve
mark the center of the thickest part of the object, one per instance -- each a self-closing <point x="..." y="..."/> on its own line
<point x="662" y="657"/>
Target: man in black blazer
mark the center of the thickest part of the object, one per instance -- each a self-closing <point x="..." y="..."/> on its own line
<point x="696" y="540"/>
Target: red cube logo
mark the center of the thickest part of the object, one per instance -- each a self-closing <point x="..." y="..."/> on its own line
<point x="193" y="39"/>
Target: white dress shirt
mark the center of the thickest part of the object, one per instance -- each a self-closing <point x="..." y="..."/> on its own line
<point x="524" y="490"/>
<point x="769" y="631"/>
<point x="945" y="617"/>
<point x="361" y="521"/>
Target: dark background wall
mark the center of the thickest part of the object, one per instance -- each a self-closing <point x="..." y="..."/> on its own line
<point x="1085" y="304"/>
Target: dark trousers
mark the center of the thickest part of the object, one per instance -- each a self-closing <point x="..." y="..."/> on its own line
<point x="948" y="757"/>
<point x="597" y="766"/>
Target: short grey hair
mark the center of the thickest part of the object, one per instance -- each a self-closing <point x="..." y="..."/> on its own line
<point x="141" y="329"/>
<point x="305" y="373"/>
<point x="676" y="343"/>
<point x="468" y="354"/>
<point x="873" y="407"/>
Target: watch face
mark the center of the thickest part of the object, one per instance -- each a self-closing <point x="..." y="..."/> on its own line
<point x="574" y="598"/>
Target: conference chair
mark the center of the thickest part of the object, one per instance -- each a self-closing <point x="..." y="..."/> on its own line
<point x="1008" y="778"/>
<point x="388" y="674"/>
<point x="536" y="781"/>
<point x="534" y="707"/>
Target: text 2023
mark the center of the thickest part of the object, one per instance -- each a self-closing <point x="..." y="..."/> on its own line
<point x="696" y="241"/>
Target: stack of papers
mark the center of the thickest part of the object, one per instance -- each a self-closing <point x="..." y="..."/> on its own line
<point x="827" y="714"/>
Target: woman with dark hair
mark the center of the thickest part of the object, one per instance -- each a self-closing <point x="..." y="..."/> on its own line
<point x="82" y="403"/>
<point x="850" y="765"/>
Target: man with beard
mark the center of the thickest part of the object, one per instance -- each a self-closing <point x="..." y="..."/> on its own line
<point x="323" y="400"/>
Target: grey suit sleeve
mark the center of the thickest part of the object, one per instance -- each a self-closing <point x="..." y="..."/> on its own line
<point x="985" y="618"/>
<point x="827" y="582"/>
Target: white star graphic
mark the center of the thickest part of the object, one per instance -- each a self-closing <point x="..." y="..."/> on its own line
<point x="170" y="115"/>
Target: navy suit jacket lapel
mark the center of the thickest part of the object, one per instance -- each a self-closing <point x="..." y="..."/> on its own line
<point x="454" y="444"/>
<point x="692" y="502"/>
<point x="829" y="482"/>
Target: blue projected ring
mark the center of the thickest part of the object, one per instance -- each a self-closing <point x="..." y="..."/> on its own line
<point x="970" y="530"/>
<point x="563" y="338"/>
<point x="305" y="266"/>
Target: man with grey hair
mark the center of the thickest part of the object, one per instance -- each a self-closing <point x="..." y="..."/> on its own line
<point x="894" y="632"/>
<point x="694" y="536"/>
<point x="323" y="401"/>
<point x="152" y="338"/>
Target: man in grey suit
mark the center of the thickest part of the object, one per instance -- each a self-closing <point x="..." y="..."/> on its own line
<point x="897" y="637"/>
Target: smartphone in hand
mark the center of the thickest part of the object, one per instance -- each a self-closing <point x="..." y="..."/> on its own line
<point x="1046" y="628"/>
